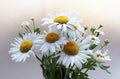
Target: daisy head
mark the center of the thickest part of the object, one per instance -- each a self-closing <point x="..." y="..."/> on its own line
<point x="93" y="39"/>
<point x="62" y="20"/>
<point x="74" y="53"/>
<point x="51" y="42"/>
<point x="101" y="57"/>
<point x="23" y="47"/>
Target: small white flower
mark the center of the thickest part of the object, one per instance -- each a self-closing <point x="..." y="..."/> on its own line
<point x="91" y="39"/>
<point x="101" y="57"/>
<point x="25" y="24"/>
<point x="63" y="21"/>
<point x="99" y="31"/>
<point x="74" y="53"/>
<point x="23" y="47"/>
<point x="51" y="42"/>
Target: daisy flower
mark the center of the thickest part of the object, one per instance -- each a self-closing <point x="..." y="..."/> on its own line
<point x="101" y="57"/>
<point x="91" y="39"/>
<point x="23" y="47"/>
<point x="74" y="53"/>
<point x="51" y="42"/>
<point x="63" y="20"/>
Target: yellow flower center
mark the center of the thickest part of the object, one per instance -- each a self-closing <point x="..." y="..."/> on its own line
<point x="61" y="19"/>
<point x="26" y="46"/>
<point x="52" y="37"/>
<point x="71" y="48"/>
<point x="100" y="55"/>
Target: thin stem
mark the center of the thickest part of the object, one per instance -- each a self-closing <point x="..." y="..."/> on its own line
<point x="90" y="66"/>
<point x="38" y="58"/>
<point x="67" y="72"/>
<point x="106" y="42"/>
<point x="44" y="73"/>
<point x="61" y="72"/>
<point x="103" y="46"/>
<point x="28" y="28"/>
<point x="33" y="21"/>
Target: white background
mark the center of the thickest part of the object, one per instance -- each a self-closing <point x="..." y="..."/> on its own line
<point x="93" y="12"/>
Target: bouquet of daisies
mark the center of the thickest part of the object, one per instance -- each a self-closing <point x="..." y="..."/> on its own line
<point x="65" y="50"/>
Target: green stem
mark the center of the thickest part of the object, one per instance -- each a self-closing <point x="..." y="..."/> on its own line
<point x="90" y="66"/>
<point x="38" y="58"/>
<point x="33" y="21"/>
<point x="102" y="46"/>
<point x="44" y="73"/>
<point x="106" y="42"/>
<point x="67" y="73"/>
<point x="60" y="72"/>
<point x="28" y="28"/>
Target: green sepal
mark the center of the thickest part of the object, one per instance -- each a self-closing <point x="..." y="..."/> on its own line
<point x="86" y="28"/>
<point x="106" y="42"/>
<point x="100" y="26"/>
<point x="93" y="30"/>
<point x="37" y="30"/>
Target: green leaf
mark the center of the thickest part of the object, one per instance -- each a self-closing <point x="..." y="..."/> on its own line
<point x="103" y="67"/>
<point x="37" y="30"/>
<point x="92" y="46"/>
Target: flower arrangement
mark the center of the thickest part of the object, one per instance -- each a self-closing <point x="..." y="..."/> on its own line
<point x="65" y="51"/>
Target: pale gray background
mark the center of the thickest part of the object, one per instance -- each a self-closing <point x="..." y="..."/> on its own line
<point x="93" y="12"/>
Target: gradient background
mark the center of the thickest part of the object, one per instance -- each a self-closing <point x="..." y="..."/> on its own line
<point x="93" y="12"/>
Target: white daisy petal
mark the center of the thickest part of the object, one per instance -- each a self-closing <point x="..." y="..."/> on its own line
<point x="18" y="52"/>
<point x="101" y="57"/>
<point x="51" y="44"/>
<point x="76" y="56"/>
<point x="63" y="21"/>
